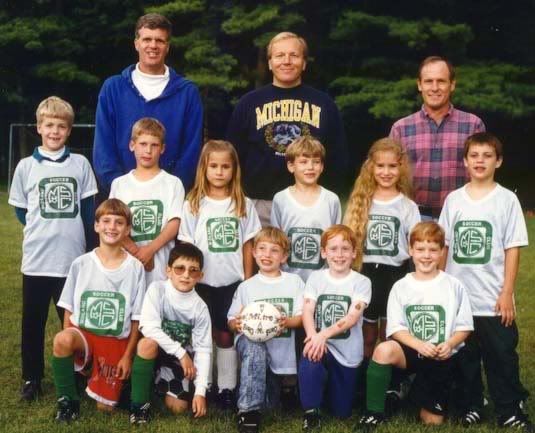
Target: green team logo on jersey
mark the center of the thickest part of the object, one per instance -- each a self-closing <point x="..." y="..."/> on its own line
<point x="222" y="234"/>
<point x="383" y="236"/>
<point x="102" y="313"/>
<point x="286" y="307"/>
<point x="305" y="253"/>
<point x="472" y="242"/>
<point x="178" y="331"/>
<point x="329" y="310"/>
<point x="58" y="197"/>
<point x="146" y="219"/>
<point x="427" y="322"/>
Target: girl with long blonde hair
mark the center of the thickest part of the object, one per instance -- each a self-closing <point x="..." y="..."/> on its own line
<point x="381" y="214"/>
<point x="222" y="222"/>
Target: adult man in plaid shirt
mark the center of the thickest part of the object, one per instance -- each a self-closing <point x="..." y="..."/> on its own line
<point x="434" y="137"/>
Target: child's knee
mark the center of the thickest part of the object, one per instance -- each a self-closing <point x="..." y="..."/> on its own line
<point x="104" y="407"/>
<point x="64" y="343"/>
<point x="384" y="353"/>
<point x="224" y="339"/>
<point x="176" y="405"/>
<point x="147" y="348"/>
<point x="430" y="418"/>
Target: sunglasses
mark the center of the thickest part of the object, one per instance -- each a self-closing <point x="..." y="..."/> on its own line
<point x="192" y="272"/>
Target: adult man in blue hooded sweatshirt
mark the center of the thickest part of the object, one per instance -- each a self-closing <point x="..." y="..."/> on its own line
<point x="148" y="89"/>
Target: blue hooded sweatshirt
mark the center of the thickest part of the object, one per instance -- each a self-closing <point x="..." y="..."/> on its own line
<point x="120" y="105"/>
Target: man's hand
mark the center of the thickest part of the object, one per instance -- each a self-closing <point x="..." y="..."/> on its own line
<point x="187" y="366"/>
<point x="505" y="306"/>
<point x="124" y="367"/>
<point x="198" y="406"/>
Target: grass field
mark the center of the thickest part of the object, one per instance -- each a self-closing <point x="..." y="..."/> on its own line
<point x="37" y="417"/>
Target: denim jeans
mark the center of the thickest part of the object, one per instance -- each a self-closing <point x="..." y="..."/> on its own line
<point x="259" y="386"/>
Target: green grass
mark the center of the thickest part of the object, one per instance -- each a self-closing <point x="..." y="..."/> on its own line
<point x="37" y="417"/>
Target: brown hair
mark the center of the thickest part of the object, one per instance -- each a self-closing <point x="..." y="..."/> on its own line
<point x="187" y="251"/>
<point x="339" y="229"/>
<point x="484" y="138"/>
<point x="150" y="126"/>
<point x="114" y="206"/>
<point x="283" y="36"/>
<point x="306" y="146"/>
<point x="154" y="21"/>
<point x="429" y="231"/>
<point x="201" y="188"/>
<point x="56" y="108"/>
<point x="275" y="236"/>
<point x="434" y="59"/>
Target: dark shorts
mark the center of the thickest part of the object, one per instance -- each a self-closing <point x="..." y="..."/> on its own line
<point x="218" y="300"/>
<point x="170" y="378"/>
<point x="383" y="278"/>
<point x="431" y="386"/>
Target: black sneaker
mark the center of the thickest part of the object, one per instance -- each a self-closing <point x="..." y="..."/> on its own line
<point x="470" y="418"/>
<point x="225" y="399"/>
<point x="68" y="410"/>
<point x="31" y="390"/>
<point x="249" y="422"/>
<point x="369" y="421"/>
<point x="312" y="420"/>
<point x="519" y="421"/>
<point x="139" y="414"/>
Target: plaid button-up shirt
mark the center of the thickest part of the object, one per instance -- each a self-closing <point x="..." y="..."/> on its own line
<point x="436" y="154"/>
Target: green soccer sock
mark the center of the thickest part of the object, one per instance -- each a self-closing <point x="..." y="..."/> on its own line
<point x="63" y="369"/>
<point x="377" y="381"/>
<point x="141" y="379"/>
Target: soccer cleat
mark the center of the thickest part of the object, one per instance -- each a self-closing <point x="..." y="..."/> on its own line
<point x="139" y="414"/>
<point x="249" y="422"/>
<point x="68" y="410"/>
<point x="519" y="421"/>
<point x="312" y="420"/>
<point x="225" y="399"/>
<point x="369" y="421"/>
<point x="31" y="390"/>
<point x="470" y="418"/>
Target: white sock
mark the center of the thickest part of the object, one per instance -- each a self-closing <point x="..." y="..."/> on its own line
<point x="227" y="368"/>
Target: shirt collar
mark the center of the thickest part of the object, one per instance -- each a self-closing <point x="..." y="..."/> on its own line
<point x="426" y="115"/>
<point x="40" y="157"/>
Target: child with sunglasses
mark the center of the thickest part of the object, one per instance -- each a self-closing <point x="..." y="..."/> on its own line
<point x="177" y="340"/>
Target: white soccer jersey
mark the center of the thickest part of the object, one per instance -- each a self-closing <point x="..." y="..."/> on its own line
<point x="52" y="193"/>
<point x="104" y="301"/>
<point x="431" y="310"/>
<point x="477" y="233"/>
<point x="388" y="229"/>
<point x="304" y="225"/>
<point x="220" y="235"/>
<point x="286" y="292"/>
<point x="334" y="297"/>
<point x="179" y="322"/>
<point x="153" y="204"/>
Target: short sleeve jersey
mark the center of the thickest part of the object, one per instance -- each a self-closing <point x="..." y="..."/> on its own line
<point x="334" y="297"/>
<point x="104" y="301"/>
<point x="153" y="204"/>
<point x="388" y="229"/>
<point x="52" y="193"/>
<point x="477" y="233"/>
<point x="304" y="226"/>
<point x="431" y="310"/>
<point x="220" y="235"/>
<point x="285" y="292"/>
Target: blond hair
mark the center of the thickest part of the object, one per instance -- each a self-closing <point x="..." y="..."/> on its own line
<point x="55" y="107"/>
<point x="283" y="36"/>
<point x="360" y="200"/>
<point x="339" y="230"/>
<point x="429" y="231"/>
<point x="149" y="126"/>
<point x="201" y="187"/>
<point x="305" y="146"/>
<point x="275" y="236"/>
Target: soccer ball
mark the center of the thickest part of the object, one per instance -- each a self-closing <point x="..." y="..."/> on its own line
<point x="260" y="321"/>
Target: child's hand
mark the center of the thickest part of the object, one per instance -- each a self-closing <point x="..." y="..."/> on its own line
<point x="198" y="406"/>
<point x="315" y="347"/>
<point x="145" y="254"/>
<point x="444" y="351"/>
<point x="124" y="367"/>
<point x="238" y="324"/>
<point x="187" y="365"/>
<point x="282" y="325"/>
<point x="150" y="265"/>
<point x="429" y="350"/>
<point x="505" y="306"/>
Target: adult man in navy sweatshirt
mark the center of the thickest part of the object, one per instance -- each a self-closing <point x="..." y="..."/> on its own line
<point x="266" y="120"/>
<point x="148" y="89"/>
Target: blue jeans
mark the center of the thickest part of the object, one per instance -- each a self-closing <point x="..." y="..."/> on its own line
<point x="259" y="386"/>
